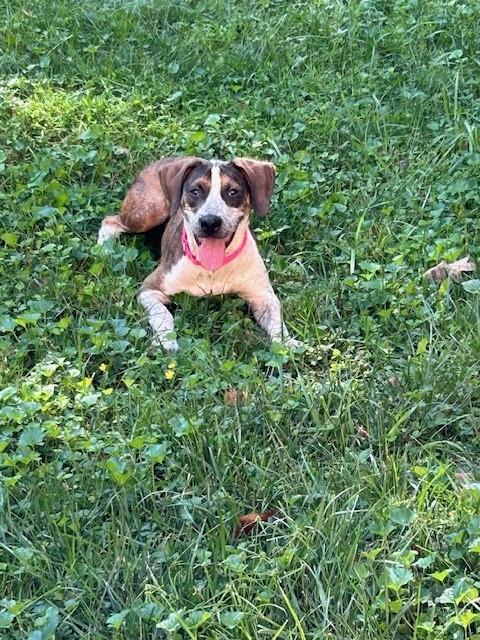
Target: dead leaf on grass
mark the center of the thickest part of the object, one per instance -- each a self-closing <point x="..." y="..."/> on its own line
<point x="235" y="396"/>
<point x="362" y="432"/>
<point x="249" y="521"/>
<point x="462" y="478"/>
<point x="453" y="269"/>
<point x="394" y="381"/>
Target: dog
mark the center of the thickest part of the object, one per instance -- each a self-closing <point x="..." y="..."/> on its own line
<point x="207" y="247"/>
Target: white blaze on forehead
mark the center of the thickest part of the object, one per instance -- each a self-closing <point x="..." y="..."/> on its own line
<point x="216" y="183"/>
<point x="215" y="205"/>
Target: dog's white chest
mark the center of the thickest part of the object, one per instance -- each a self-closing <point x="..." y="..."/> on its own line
<point x="190" y="278"/>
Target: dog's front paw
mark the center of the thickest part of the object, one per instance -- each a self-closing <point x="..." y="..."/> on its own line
<point x="171" y="346"/>
<point x="292" y="343"/>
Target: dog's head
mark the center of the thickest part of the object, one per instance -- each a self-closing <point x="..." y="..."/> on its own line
<point x="216" y="196"/>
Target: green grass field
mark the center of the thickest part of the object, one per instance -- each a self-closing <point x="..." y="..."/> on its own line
<point x="123" y="471"/>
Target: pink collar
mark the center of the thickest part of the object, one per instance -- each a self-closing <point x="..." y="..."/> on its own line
<point x="187" y="250"/>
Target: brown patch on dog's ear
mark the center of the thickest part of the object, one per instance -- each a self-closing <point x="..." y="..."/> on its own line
<point x="260" y="177"/>
<point x="173" y="173"/>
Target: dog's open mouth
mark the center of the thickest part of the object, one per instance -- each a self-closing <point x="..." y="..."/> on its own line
<point x="211" y="253"/>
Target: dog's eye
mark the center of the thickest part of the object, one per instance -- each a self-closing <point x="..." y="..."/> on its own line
<point x="195" y="192"/>
<point x="232" y="192"/>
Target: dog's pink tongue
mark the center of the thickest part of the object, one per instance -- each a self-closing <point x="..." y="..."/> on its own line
<point x="211" y="253"/>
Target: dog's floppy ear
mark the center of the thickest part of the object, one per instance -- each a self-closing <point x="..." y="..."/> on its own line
<point x="172" y="173"/>
<point x="260" y="178"/>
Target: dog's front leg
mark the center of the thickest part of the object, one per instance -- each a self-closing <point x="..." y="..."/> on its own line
<point x="267" y="311"/>
<point x="159" y="317"/>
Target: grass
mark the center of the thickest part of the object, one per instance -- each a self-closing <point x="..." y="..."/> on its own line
<point x="123" y="472"/>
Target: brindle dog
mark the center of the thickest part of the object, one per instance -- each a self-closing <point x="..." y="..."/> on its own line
<point x="207" y="247"/>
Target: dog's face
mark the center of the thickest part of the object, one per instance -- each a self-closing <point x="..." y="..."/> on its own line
<point x="215" y="200"/>
<point x="215" y="197"/>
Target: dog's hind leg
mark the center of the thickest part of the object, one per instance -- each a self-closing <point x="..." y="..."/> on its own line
<point x="111" y="227"/>
<point x="159" y="317"/>
<point x="141" y="211"/>
<point x="145" y="206"/>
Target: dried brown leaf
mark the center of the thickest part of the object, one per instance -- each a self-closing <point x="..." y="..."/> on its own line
<point x="453" y="269"/>
<point x="233" y="397"/>
<point x="249" y="521"/>
<point x="437" y="273"/>
<point x="362" y="432"/>
<point x="462" y="478"/>
<point x="458" y="268"/>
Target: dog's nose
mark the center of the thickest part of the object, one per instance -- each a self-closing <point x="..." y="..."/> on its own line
<point x="210" y="224"/>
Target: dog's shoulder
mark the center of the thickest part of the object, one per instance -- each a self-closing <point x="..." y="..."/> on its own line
<point x="171" y="249"/>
